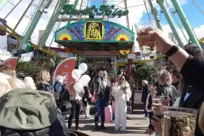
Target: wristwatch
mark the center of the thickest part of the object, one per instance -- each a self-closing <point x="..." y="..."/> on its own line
<point x="172" y="51"/>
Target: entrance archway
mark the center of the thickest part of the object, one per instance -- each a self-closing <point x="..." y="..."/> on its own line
<point x="96" y="39"/>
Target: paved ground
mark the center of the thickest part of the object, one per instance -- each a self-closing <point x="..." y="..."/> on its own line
<point x="136" y="126"/>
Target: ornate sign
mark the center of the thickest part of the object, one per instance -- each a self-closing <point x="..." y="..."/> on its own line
<point x="94" y="31"/>
<point x="108" y="10"/>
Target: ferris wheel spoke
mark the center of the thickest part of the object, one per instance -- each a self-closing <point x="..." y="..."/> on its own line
<point x="12" y="9"/>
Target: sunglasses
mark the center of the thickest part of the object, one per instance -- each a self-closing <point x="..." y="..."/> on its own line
<point x="121" y="79"/>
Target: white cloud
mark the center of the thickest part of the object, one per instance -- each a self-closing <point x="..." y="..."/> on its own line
<point x="136" y="12"/>
<point x="16" y="14"/>
<point x="199" y="32"/>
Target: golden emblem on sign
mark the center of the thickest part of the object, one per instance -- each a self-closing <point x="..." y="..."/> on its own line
<point x="93" y="31"/>
<point x="124" y="52"/>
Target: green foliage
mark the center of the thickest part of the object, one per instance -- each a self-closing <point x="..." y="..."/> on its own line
<point x="31" y="68"/>
<point x="28" y="69"/>
<point x="143" y="71"/>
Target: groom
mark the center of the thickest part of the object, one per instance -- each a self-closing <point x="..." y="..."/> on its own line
<point x="102" y="99"/>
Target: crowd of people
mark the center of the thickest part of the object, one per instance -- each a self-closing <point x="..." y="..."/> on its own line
<point x="39" y="108"/>
<point x="65" y="102"/>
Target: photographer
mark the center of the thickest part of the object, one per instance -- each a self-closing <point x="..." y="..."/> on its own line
<point x="190" y="67"/>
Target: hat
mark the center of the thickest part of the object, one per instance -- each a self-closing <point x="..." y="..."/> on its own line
<point x="145" y="82"/>
<point x="27" y="109"/>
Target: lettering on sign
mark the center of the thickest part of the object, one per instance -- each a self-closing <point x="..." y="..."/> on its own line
<point x="108" y="10"/>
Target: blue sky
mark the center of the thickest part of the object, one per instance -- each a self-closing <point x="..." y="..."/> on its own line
<point x="192" y="13"/>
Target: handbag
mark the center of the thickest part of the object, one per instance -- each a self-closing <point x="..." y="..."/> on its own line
<point x="108" y="114"/>
<point x="67" y="105"/>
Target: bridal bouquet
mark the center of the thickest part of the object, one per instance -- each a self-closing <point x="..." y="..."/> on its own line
<point x="124" y="88"/>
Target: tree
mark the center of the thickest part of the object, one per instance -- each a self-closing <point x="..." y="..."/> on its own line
<point x="31" y="68"/>
<point x="143" y="71"/>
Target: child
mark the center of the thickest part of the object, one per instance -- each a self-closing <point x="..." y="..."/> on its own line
<point x="152" y="93"/>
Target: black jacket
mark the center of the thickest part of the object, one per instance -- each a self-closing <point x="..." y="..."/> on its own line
<point x="103" y="92"/>
<point x="86" y="96"/>
<point x="193" y="74"/>
<point x="144" y="93"/>
<point x="44" y="87"/>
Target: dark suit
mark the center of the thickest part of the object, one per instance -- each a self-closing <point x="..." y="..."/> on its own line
<point x="102" y="99"/>
<point x="194" y="101"/>
<point x="144" y="97"/>
<point x="193" y="74"/>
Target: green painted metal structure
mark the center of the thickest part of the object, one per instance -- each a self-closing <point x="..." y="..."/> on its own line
<point x="75" y="4"/>
<point x="45" y="4"/>
<point x="40" y="11"/>
<point x="186" y="23"/>
<point x="170" y="21"/>
<point x="52" y="21"/>
<point x="155" y="14"/>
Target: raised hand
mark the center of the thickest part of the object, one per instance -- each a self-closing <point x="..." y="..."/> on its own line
<point x="154" y="37"/>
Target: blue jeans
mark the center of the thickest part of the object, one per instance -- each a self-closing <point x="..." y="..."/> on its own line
<point x="100" y="111"/>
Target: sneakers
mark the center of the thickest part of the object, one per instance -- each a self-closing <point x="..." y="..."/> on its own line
<point x="103" y="127"/>
<point x="122" y="130"/>
<point x="97" y="128"/>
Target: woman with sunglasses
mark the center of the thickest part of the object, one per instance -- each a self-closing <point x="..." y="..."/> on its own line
<point x="122" y="94"/>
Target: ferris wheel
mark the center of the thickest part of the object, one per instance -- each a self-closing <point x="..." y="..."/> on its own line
<point x="21" y="20"/>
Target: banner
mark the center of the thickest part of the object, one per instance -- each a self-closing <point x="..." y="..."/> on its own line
<point x="10" y="63"/>
<point x="26" y="57"/>
<point x="65" y="69"/>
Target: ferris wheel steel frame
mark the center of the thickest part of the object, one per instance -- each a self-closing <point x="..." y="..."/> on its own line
<point x="55" y="18"/>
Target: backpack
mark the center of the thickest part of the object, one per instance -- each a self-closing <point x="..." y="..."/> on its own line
<point x="64" y="101"/>
<point x="35" y="114"/>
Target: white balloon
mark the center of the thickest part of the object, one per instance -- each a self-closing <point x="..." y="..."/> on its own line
<point x="84" y="80"/>
<point x="83" y="68"/>
<point x="78" y="87"/>
<point x="76" y="74"/>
